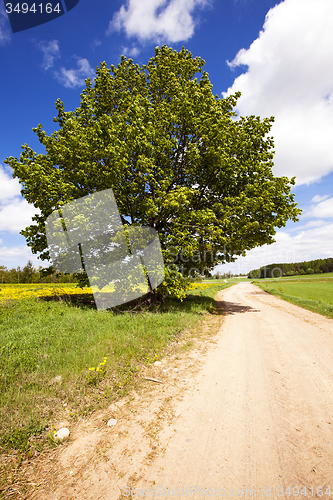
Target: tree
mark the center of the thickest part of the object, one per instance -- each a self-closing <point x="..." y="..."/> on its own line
<point x="27" y="273"/>
<point x="175" y="156"/>
<point x="12" y="276"/>
<point x="3" y="274"/>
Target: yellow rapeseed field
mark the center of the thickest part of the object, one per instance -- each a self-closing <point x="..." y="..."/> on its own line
<point x="21" y="291"/>
<point x="195" y="286"/>
<point x="27" y="290"/>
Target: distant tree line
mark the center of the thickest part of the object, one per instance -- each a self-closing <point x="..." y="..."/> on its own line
<point x="220" y="276"/>
<point x="29" y="274"/>
<point x="293" y="269"/>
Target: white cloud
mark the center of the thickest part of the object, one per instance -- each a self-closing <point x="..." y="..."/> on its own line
<point x="72" y="78"/>
<point x="51" y="52"/>
<point x="151" y="19"/>
<point x="96" y="43"/>
<point x="11" y="257"/>
<point x="324" y="209"/>
<point x="4" y="26"/>
<point x="15" y="212"/>
<point x="310" y="224"/>
<point x="14" y="252"/>
<point x="318" y="198"/>
<point x="290" y="76"/>
<point x="9" y="187"/>
<point x="16" y="215"/>
<point x="134" y="51"/>
<point x="308" y="245"/>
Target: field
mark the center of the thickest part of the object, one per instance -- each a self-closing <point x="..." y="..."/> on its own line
<point x="311" y="292"/>
<point x="59" y="354"/>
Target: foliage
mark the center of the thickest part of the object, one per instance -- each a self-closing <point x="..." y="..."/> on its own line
<point x="30" y="274"/>
<point x="175" y="156"/>
<point x="174" y="285"/>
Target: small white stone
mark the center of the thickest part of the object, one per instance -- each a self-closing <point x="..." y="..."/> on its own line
<point x="62" y="434"/>
<point x="112" y="422"/>
<point x="158" y="363"/>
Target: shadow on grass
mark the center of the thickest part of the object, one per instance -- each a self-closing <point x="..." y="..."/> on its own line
<point x="83" y="300"/>
<point x="192" y="303"/>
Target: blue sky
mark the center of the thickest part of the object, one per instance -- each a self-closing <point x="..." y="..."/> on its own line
<point x="278" y="54"/>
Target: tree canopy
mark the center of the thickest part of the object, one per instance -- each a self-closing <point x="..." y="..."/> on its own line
<point x="177" y="157"/>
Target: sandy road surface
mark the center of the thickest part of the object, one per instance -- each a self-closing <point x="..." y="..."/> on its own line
<point x="257" y="415"/>
<point x="262" y="414"/>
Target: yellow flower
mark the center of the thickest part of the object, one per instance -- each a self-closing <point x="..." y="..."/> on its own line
<point x="93" y="368"/>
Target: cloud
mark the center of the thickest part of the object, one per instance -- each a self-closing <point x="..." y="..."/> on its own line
<point x="316" y="243"/>
<point x="96" y="43"/>
<point x="323" y="210"/>
<point x="4" y="26"/>
<point x="318" y="198"/>
<point x="134" y="51"/>
<point x="12" y="257"/>
<point x="9" y="187"/>
<point x="290" y="76"/>
<point x="310" y="224"/>
<point x="16" y="215"/>
<point x="72" y="78"/>
<point x="153" y="19"/>
<point x="51" y="51"/>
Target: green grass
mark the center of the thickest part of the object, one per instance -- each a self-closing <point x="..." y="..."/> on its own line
<point x="306" y="277"/>
<point x="42" y="339"/>
<point x="315" y="294"/>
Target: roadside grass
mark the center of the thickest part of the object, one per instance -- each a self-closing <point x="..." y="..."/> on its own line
<point x="315" y="294"/>
<point x="303" y="277"/>
<point x="60" y="356"/>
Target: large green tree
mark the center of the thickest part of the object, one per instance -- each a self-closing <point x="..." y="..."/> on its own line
<point x="176" y="156"/>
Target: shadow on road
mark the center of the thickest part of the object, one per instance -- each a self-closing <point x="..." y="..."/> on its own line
<point x="234" y="308"/>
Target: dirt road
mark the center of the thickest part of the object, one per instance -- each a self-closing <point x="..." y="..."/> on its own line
<point x="255" y="420"/>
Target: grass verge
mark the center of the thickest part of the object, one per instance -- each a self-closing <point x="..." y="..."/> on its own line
<point x="314" y="295"/>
